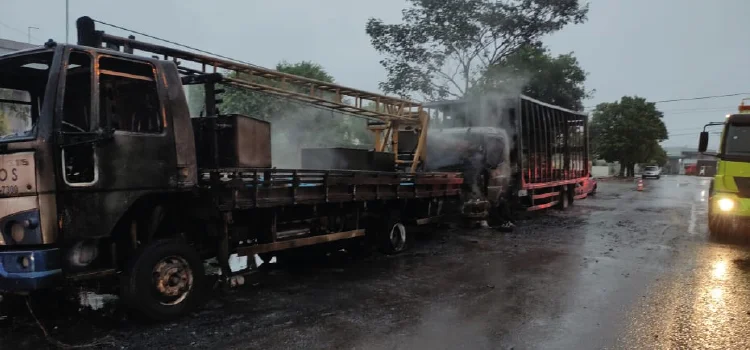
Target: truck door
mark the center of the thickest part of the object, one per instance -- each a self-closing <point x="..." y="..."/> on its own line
<point x="141" y="156"/>
<point x="137" y="159"/>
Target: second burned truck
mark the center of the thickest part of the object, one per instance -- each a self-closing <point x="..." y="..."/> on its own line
<point x="526" y="154"/>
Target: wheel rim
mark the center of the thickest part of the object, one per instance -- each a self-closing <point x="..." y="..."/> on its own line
<point x="172" y="280"/>
<point x="398" y="237"/>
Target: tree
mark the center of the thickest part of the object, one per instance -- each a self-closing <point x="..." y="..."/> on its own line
<point x="658" y="156"/>
<point x="555" y="80"/>
<point x="263" y="105"/>
<point x="628" y="131"/>
<point x="443" y="46"/>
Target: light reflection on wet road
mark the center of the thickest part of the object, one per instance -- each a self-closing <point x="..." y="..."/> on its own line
<point x="704" y="300"/>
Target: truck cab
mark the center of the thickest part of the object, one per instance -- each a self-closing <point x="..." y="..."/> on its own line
<point x="729" y="194"/>
<point x="93" y="142"/>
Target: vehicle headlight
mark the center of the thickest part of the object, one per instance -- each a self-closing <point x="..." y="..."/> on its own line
<point x="17" y="232"/>
<point x="726" y="204"/>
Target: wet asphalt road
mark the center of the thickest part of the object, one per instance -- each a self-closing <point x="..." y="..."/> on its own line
<point x="625" y="269"/>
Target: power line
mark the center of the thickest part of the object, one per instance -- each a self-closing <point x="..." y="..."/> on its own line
<point x="706" y="109"/>
<point x="25" y="33"/>
<point x="693" y="98"/>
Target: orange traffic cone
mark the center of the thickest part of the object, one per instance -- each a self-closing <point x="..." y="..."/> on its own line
<point x="640" y="184"/>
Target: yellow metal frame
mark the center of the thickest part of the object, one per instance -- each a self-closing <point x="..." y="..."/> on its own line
<point x="396" y="114"/>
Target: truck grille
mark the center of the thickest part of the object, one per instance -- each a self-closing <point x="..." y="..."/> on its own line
<point x="743" y="185"/>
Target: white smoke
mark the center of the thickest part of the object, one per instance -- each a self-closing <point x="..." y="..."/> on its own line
<point x="451" y="142"/>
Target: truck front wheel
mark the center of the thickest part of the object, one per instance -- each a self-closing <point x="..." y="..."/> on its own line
<point x="164" y="280"/>
<point x="718" y="228"/>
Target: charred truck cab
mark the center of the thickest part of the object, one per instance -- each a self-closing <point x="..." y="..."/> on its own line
<point x="104" y="173"/>
<point x="92" y="133"/>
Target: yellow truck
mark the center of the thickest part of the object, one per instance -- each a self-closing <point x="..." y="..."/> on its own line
<point x="729" y="193"/>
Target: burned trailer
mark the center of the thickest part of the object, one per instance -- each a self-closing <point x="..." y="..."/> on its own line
<point x="553" y="153"/>
<point x="514" y="150"/>
<point x="115" y="180"/>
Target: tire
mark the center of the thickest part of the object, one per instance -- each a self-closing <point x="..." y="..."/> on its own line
<point x="392" y="234"/>
<point x="658" y="177"/>
<point x="718" y="228"/>
<point x="565" y="199"/>
<point x="180" y="271"/>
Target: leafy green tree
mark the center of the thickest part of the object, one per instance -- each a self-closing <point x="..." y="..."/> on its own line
<point x="443" y="47"/>
<point x="556" y="80"/>
<point x="628" y="131"/>
<point x="658" y="156"/>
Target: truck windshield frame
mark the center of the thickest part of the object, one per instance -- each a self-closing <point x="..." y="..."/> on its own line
<point x="736" y="141"/>
<point x="23" y="82"/>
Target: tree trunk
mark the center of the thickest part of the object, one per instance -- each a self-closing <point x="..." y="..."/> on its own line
<point x="632" y="169"/>
<point x="622" y="169"/>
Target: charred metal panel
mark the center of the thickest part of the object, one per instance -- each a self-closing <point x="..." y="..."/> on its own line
<point x="44" y="153"/>
<point x="346" y="159"/>
<point x="232" y="141"/>
<point x="129" y="164"/>
<point x="183" y="129"/>
<point x="263" y="188"/>
<point x="554" y="144"/>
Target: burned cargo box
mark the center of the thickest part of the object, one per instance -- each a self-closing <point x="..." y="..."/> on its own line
<point x="346" y="159"/>
<point x="232" y="141"/>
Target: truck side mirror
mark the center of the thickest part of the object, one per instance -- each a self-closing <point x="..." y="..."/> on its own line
<point x="703" y="142"/>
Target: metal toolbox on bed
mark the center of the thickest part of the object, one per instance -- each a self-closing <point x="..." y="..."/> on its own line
<point x="346" y="159"/>
<point x="232" y="141"/>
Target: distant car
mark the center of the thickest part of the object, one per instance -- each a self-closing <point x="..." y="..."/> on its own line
<point x="651" y="172"/>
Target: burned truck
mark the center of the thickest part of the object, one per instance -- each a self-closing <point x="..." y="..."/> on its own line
<point x="515" y="151"/>
<point x="113" y="179"/>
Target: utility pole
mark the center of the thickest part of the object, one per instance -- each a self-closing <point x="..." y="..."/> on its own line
<point x="29" y="31"/>
<point x="66" y="21"/>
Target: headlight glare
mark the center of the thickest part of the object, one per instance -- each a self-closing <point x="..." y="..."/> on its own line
<point x="726" y="204"/>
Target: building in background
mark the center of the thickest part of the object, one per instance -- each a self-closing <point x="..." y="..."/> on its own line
<point x="7" y="46"/>
<point x="688" y="161"/>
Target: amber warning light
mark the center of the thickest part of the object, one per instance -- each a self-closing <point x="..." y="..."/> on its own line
<point x="744" y="108"/>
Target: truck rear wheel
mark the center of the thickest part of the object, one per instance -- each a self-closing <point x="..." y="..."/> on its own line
<point x="164" y="280"/>
<point x="393" y="235"/>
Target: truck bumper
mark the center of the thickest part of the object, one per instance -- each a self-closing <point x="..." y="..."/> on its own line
<point x="23" y="271"/>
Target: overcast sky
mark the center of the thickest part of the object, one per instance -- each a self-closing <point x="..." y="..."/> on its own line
<point x="658" y="49"/>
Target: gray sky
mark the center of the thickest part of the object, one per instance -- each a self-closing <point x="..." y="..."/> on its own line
<point x="659" y="50"/>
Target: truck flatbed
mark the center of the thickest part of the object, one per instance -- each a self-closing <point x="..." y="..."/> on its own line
<point x="245" y="188"/>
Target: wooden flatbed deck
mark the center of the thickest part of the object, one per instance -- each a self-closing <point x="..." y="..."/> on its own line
<point x="244" y="188"/>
